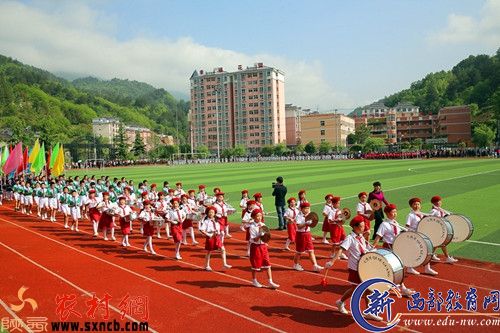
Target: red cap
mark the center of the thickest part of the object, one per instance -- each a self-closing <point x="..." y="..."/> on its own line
<point x="413" y="200"/>
<point x="184" y="196"/>
<point x="335" y="199"/>
<point x="128" y="189"/>
<point x="191" y="191"/>
<point x="174" y="200"/>
<point x="257" y="195"/>
<point x="305" y="204"/>
<point x="91" y="191"/>
<point x="216" y="189"/>
<point x="302" y="192"/>
<point x="105" y="193"/>
<point x="209" y="209"/>
<point x="146" y="202"/>
<point x="389" y="207"/>
<point x="250" y="202"/>
<point x="255" y="212"/>
<point x="201" y="186"/>
<point x="329" y="197"/>
<point x="122" y="197"/>
<point x="356" y="220"/>
<point x="219" y="193"/>
<point x="144" y="194"/>
<point x="435" y="199"/>
<point x="177" y="184"/>
<point x="153" y="185"/>
<point x="171" y="190"/>
<point x="290" y="199"/>
<point x="361" y="194"/>
<point x="161" y="194"/>
<point x="244" y="191"/>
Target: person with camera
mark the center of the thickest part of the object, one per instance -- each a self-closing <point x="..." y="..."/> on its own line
<point x="279" y="194"/>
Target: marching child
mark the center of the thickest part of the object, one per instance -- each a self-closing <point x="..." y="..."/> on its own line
<point x="176" y="216"/>
<point x="222" y="214"/>
<point x="412" y="221"/>
<point x="259" y="255"/>
<point x="326" y="212"/>
<point x="64" y="202"/>
<point x="363" y="208"/>
<point x="28" y="198"/>
<point x="302" y="197"/>
<point x="37" y="193"/>
<point x="290" y="217"/>
<point x="258" y="203"/>
<point x="387" y="232"/>
<point x="162" y="206"/>
<point x="202" y="195"/>
<point x="437" y="210"/>
<point x="336" y="223"/>
<point x="106" y="221"/>
<point x="187" y="225"/>
<point x="124" y="212"/>
<point x="303" y="239"/>
<point x="74" y="207"/>
<point x="53" y="204"/>
<point x="44" y="201"/>
<point x="147" y="216"/>
<point x="92" y="206"/>
<point x="355" y="245"/>
<point x="243" y="202"/>
<point x="211" y="229"/>
<point x="245" y="222"/>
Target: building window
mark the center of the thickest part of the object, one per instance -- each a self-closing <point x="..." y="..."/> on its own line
<point x="322" y="123"/>
<point x="322" y="132"/>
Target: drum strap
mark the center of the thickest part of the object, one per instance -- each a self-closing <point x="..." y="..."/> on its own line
<point x="179" y="216"/>
<point x="361" y="245"/>
<point x="395" y="229"/>
<point x="221" y="207"/>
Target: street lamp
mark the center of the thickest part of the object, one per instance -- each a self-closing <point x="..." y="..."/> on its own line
<point x="217" y="91"/>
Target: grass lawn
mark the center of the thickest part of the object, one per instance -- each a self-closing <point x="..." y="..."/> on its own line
<point x="468" y="186"/>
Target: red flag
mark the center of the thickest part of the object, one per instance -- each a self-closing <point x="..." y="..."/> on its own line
<point x="14" y="160"/>
<point x="22" y="166"/>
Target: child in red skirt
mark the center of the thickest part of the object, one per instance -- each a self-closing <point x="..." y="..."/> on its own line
<point x="259" y="256"/>
<point x="222" y="209"/>
<point x="243" y="202"/>
<point x="326" y="211"/>
<point x="176" y="216"/>
<point x="303" y="239"/>
<point x="290" y="216"/>
<point x="106" y="221"/>
<point x="245" y="222"/>
<point x="123" y="216"/>
<point x="211" y="229"/>
<point x="337" y="232"/>
<point x="146" y="216"/>
<point x="363" y="209"/>
<point x="92" y="207"/>
<point x="189" y="207"/>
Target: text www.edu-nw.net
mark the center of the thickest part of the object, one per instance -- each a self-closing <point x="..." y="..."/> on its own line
<point x="449" y="321"/>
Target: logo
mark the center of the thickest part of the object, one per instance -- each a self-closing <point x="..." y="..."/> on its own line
<point x="378" y="303"/>
<point x="30" y="301"/>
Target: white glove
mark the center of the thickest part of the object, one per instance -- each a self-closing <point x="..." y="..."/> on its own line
<point x="308" y="222"/>
<point x="329" y="264"/>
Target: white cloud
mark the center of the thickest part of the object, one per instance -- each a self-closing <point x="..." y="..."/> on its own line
<point x="77" y="39"/>
<point x="462" y="29"/>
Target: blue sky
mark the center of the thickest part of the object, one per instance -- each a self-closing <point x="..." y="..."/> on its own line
<point x="338" y="54"/>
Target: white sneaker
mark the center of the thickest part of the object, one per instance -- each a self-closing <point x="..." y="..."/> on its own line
<point x="317" y="268"/>
<point x="373" y="317"/>
<point x="343" y="256"/>
<point x="256" y="284"/>
<point x="313" y="239"/>
<point x="38" y="214"/>
<point x="65" y="226"/>
<point x="325" y="241"/>
<point x="146" y="249"/>
<point x="184" y="243"/>
<point x="227" y="266"/>
<point x="298" y="267"/>
<point x="195" y="243"/>
<point x="157" y="236"/>
<point x="273" y="285"/>
<point x="72" y="227"/>
<point x="407" y="292"/>
<point x="76" y="229"/>
<point x="450" y="260"/>
<point x="430" y="271"/>
<point x="178" y="257"/>
<point x="287" y="248"/>
<point x="153" y="252"/>
<point x="105" y="238"/>
<point x="113" y="238"/>
<point x="411" y="270"/>
<point x="208" y="269"/>
<point x="435" y="258"/>
<point x="341" y="307"/>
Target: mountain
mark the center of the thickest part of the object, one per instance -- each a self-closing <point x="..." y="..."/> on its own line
<point x="36" y="102"/>
<point x="473" y="81"/>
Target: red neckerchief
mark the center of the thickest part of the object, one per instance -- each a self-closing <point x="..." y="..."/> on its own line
<point x="364" y="207"/>
<point x="221" y="207"/>
<point x="361" y="244"/>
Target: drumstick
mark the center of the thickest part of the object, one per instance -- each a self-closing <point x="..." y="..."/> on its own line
<point x="323" y="280"/>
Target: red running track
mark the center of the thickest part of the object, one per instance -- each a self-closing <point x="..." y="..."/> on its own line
<point x="52" y="261"/>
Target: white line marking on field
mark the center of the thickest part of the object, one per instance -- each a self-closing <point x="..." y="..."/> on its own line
<point x="13" y="314"/>
<point x="88" y="293"/>
<point x="486" y="243"/>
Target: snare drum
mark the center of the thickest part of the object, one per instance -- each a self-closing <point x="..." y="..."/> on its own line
<point x="158" y="221"/>
<point x="209" y="201"/>
<point x="383" y="264"/>
<point x="462" y="227"/>
<point x="230" y="210"/>
<point x="413" y="248"/>
<point x="438" y="229"/>
<point x="194" y="217"/>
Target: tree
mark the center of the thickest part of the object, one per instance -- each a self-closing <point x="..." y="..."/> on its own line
<point x="351" y="138"/>
<point x="373" y="144"/>
<point x="121" y="143"/>
<point x="310" y="148"/>
<point x="280" y="149"/>
<point x="298" y="149"/>
<point x="356" y="148"/>
<point x="483" y="136"/>
<point x="240" y="151"/>
<point x="203" y="150"/>
<point x="362" y="133"/>
<point x="227" y="153"/>
<point x="267" y="150"/>
<point x="417" y="143"/>
<point x="325" y="147"/>
<point x="405" y="145"/>
<point x="138" y="149"/>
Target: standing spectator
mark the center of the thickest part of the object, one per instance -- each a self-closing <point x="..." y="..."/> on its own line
<point x="279" y="194"/>
<point x="378" y="214"/>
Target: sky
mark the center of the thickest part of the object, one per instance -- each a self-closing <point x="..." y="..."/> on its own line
<point x="335" y="54"/>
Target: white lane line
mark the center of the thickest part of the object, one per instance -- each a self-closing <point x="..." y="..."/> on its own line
<point x="13" y="314"/>
<point x="86" y="292"/>
<point x="485" y="243"/>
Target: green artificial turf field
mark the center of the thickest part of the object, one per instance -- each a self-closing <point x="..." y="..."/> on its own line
<point x="468" y="186"/>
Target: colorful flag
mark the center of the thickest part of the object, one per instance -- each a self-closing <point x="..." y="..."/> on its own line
<point x="24" y="162"/>
<point x="5" y="155"/>
<point x="39" y="162"/>
<point x="53" y="155"/>
<point x="58" y="168"/>
<point x="34" y="152"/>
<point x="15" y="158"/>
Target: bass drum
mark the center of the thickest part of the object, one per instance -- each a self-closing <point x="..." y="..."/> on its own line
<point x="438" y="229"/>
<point x="462" y="227"/>
<point x="414" y="248"/>
<point x="383" y="264"/>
